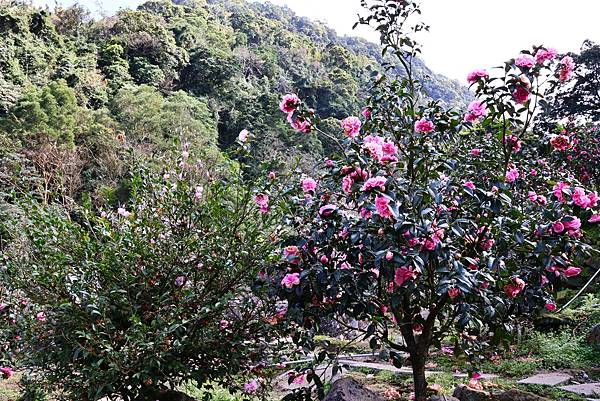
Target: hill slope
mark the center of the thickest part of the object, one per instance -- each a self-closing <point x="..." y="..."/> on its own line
<point x="71" y="88"/>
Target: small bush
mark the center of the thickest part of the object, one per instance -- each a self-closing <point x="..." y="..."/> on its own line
<point x="562" y="350"/>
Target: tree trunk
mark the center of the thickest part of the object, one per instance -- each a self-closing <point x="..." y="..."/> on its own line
<point x="420" y="382"/>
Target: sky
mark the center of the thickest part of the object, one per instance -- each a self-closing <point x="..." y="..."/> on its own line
<point x="464" y="35"/>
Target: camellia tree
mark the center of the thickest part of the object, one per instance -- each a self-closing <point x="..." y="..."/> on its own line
<point x="133" y="302"/>
<point x="432" y="221"/>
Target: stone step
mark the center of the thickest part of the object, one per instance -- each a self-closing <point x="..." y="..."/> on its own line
<point x="587" y="389"/>
<point x="547" y="379"/>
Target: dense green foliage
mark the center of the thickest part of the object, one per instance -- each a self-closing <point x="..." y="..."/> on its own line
<point x="189" y="71"/>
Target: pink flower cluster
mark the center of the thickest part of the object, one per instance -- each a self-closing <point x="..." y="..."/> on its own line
<point x="578" y="195"/>
<point x="513" y="289"/>
<point x="262" y="200"/>
<point x="475" y="110"/>
<point x="560" y="142"/>
<point x="567" y="66"/>
<point x="382" y="204"/>
<point x="513" y="142"/>
<point x="570" y="224"/>
<point x="290" y="280"/>
<point x="351" y="126"/>
<point x="512" y="175"/>
<point x="525" y="61"/>
<point x="403" y="274"/>
<point x="521" y="92"/>
<point x="374" y="183"/>
<point x="543" y="55"/>
<point x="475" y="75"/>
<point x="308" y="185"/>
<point x="6" y="372"/>
<point x="288" y="105"/>
<point x="424" y="126"/>
<point x="569" y="271"/>
<point x="380" y="149"/>
<point x="351" y="177"/>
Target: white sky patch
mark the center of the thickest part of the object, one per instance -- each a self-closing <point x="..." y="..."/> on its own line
<point x="465" y="34"/>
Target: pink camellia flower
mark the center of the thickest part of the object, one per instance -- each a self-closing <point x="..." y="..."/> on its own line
<point x="374" y="183"/>
<point x="559" y="190"/>
<point x="292" y="254"/>
<point x="572" y="271"/>
<point x="298" y="379"/>
<point x="470" y="185"/>
<point x="251" y="387"/>
<point x="475" y="152"/>
<point x="583" y="200"/>
<point x="324" y="259"/>
<point x="532" y="196"/>
<point x="514" y="143"/>
<point x="476" y="74"/>
<point x="521" y="95"/>
<point x="403" y="274"/>
<point x="525" y="61"/>
<point x="243" y="136"/>
<point x="550" y="306"/>
<point x="223" y="324"/>
<point x="300" y="124"/>
<point x="289" y="103"/>
<point x="327" y="210"/>
<point x="544" y="280"/>
<point x="262" y="200"/>
<point x="475" y="110"/>
<point x="351" y="126"/>
<point x="512" y="175"/>
<point x="7" y="373"/>
<point x="382" y="204"/>
<point x="595" y="218"/>
<point x="453" y="292"/>
<point x="513" y="289"/>
<point x="572" y="223"/>
<point x="40" y="317"/>
<point x="290" y="280"/>
<point x="329" y="163"/>
<point x="430" y="243"/>
<point x="567" y="66"/>
<point x="308" y="185"/>
<point x="558" y="227"/>
<point x="560" y="142"/>
<point x="272" y="175"/>
<point x="424" y="126"/>
<point x="544" y="55"/>
<point x="366" y="113"/>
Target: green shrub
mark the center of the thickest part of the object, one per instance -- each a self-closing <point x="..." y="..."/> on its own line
<point x="139" y="300"/>
<point x="562" y="350"/>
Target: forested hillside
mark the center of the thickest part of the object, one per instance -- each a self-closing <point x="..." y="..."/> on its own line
<point x="76" y="93"/>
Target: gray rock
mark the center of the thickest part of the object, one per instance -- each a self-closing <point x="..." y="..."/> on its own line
<point x="547" y="379"/>
<point x="348" y="389"/>
<point x="464" y="393"/>
<point x="443" y="398"/>
<point x="588" y="389"/>
<point x="518" y="395"/>
<point x="593" y="338"/>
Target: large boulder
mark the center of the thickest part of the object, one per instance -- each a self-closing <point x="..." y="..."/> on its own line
<point x="348" y="389"/>
<point x="593" y="337"/>
<point x="518" y="395"/>
<point x="464" y="393"/>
